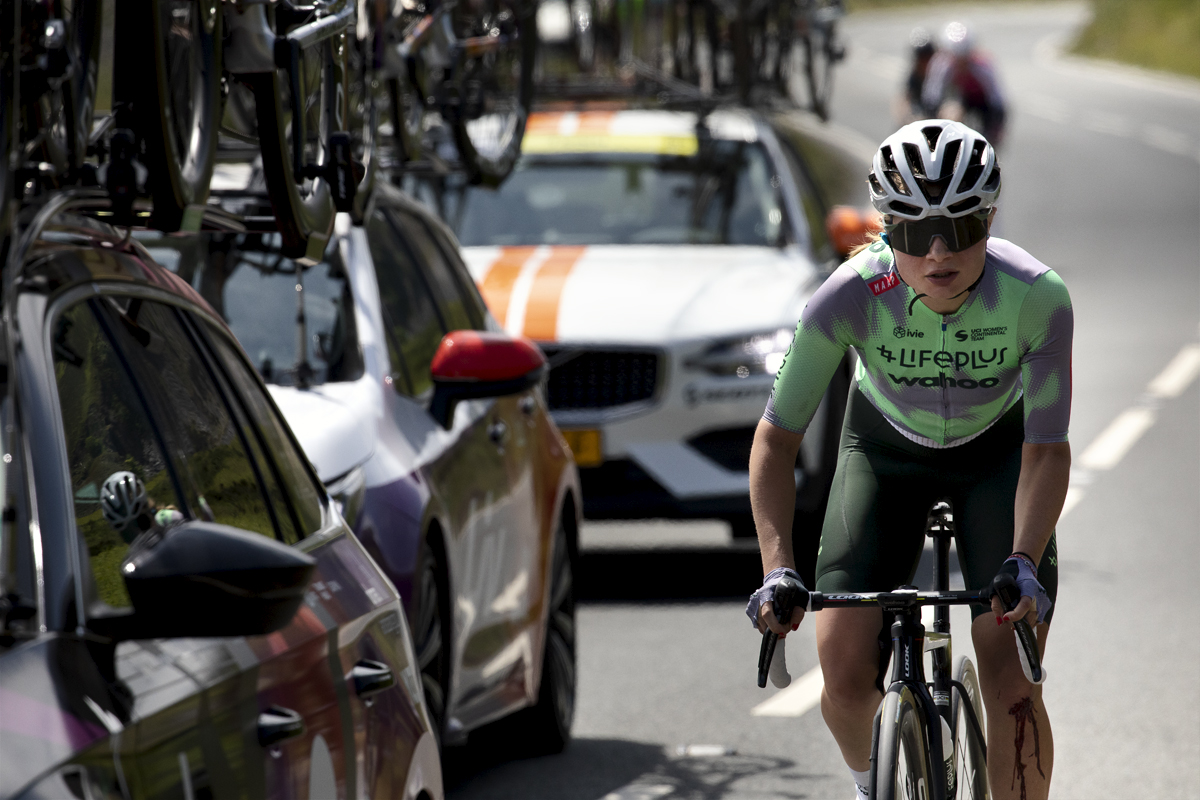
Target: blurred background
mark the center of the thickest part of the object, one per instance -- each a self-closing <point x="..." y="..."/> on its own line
<point x="1095" y="107"/>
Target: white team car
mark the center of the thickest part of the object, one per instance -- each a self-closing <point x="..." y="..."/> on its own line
<point x="661" y="259"/>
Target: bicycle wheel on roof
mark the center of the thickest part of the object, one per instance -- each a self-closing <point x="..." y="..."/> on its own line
<point x="497" y="43"/>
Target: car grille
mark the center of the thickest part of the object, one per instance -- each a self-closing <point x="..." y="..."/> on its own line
<point x="600" y="378"/>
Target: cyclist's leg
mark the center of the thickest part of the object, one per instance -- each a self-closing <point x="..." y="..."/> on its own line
<point x="871" y="541"/>
<point x="1020" y="746"/>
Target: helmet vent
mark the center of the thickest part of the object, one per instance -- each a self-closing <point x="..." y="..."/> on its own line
<point x="912" y="154"/>
<point x="931" y="133"/>
<point x="962" y="206"/>
<point x="950" y="159"/>
<point x="993" y="181"/>
<point x="905" y="209"/>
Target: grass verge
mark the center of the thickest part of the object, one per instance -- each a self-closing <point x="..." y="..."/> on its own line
<point x="1159" y="34"/>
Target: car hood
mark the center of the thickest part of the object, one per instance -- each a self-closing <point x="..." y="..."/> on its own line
<point x="335" y="437"/>
<point x="636" y="294"/>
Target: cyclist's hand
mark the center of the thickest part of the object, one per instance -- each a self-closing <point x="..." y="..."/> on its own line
<point x="761" y="601"/>
<point x="1034" y="603"/>
<point x="768" y="621"/>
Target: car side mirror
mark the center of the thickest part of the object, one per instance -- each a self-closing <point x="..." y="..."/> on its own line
<point x="206" y="579"/>
<point x="848" y="227"/>
<point x="474" y="364"/>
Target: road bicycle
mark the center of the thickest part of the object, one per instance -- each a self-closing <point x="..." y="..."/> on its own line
<point x="740" y="47"/>
<point x="928" y="739"/>
<point x="451" y="84"/>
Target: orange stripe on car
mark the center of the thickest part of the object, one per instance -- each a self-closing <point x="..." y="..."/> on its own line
<point x="497" y="285"/>
<point x="541" y="313"/>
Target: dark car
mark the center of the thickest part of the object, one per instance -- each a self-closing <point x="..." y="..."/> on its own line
<point x="430" y="426"/>
<point x="184" y="612"/>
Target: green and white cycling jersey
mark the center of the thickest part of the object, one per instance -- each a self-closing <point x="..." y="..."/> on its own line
<point x="939" y="380"/>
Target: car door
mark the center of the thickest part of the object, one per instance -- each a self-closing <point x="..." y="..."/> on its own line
<point x="185" y="716"/>
<point x="513" y="608"/>
<point x="464" y="466"/>
<point x="369" y="650"/>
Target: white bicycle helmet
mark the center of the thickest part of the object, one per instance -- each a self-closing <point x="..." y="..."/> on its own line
<point x="934" y="167"/>
<point x="123" y="499"/>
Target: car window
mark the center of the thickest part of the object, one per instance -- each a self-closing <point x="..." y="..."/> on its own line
<point x="726" y="193"/>
<point x="810" y="199"/>
<point x="283" y="455"/>
<point x="461" y="278"/>
<point x="219" y="479"/>
<point x="260" y="294"/>
<point x="108" y="432"/>
<point x="438" y="270"/>
<point x="413" y="325"/>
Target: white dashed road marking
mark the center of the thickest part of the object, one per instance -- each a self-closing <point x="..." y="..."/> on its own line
<point x="1115" y="441"/>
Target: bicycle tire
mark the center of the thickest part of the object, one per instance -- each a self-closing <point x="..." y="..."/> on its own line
<point x="170" y="64"/>
<point x="367" y="105"/>
<point x="970" y="759"/>
<point x="303" y="206"/>
<point x="489" y="114"/>
<point x="900" y="770"/>
<point x="56" y="117"/>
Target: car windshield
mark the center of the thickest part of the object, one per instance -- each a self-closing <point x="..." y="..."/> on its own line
<point x="726" y="193"/>
<point x="295" y="322"/>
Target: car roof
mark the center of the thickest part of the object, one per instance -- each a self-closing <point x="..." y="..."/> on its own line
<point x="656" y="132"/>
<point x="73" y="249"/>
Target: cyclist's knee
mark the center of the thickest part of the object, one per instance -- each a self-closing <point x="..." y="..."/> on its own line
<point x="847" y="642"/>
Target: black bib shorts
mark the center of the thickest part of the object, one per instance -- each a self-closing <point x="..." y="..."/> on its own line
<point x="884" y="486"/>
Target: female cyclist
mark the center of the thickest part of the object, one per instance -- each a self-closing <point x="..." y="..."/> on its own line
<point x="962" y="390"/>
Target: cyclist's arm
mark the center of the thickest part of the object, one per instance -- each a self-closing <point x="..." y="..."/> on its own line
<point x="1045" y="328"/>
<point x="773" y="492"/>
<point x="1041" y="490"/>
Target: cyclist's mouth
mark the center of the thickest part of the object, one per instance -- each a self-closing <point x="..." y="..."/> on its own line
<point x="942" y="278"/>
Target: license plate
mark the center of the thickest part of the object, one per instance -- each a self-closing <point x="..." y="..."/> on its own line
<point x="587" y="447"/>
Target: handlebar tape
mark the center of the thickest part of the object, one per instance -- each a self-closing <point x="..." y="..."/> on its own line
<point x="789" y="593"/>
<point x="1005" y="586"/>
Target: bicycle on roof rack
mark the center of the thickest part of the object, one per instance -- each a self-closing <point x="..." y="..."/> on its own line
<point x="748" y="51"/>
<point x="928" y="740"/>
<point x="447" y="84"/>
<point x="286" y="85"/>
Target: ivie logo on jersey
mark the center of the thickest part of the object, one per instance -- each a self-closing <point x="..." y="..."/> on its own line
<point x="881" y="285"/>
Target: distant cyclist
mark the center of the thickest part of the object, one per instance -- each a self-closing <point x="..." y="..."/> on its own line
<point x="962" y="390"/>
<point x="962" y="84"/>
<point x="910" y="106"/>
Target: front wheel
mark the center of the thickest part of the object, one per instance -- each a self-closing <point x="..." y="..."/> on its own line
<point x="494" y="85"/>
<point x="970" y="749"/>
<point x="901" y="770"/>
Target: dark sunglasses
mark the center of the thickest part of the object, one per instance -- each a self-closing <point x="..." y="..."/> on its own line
<point x="916" y="237"/>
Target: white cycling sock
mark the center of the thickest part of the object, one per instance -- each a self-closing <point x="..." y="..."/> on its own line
<point x="862" y="782"/>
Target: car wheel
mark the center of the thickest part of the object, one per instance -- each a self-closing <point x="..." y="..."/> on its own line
<point x="546" y="727"/>
<point x="430" y="636"/>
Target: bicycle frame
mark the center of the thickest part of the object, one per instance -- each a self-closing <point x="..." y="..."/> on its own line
<point x="910" y="641"/>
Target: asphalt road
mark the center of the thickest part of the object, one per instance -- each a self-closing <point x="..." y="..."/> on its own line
<point x="1102" y="182"/>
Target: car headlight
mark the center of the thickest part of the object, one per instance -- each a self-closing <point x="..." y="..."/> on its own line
<point x="759" y="354"/>
<point x="348" y="492"/>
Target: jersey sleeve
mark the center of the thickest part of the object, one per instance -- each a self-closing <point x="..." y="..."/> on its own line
<point x="1044" y="331"/>
<point x="832" y="321"/>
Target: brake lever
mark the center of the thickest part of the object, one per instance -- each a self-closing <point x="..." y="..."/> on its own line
<point x="787" y="592"/>
<point x="1005" y="587"/>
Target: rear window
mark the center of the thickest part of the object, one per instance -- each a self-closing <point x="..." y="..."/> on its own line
<point x="726" y="193"/>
